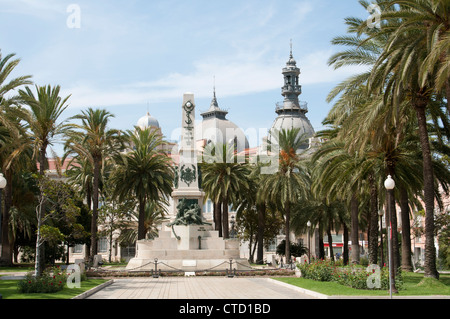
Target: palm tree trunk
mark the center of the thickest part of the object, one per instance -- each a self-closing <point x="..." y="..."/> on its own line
<point x="218" y="217"/>
<point x="345" y="248"/>
<point x="260" y="234"/>
<point x="330" y="241"/>
<point x="390" y="212"/>
<point x="428" y="179"/>
<point x="225" y="218"/>
<point x="287" y="230"/>
<point x="373" y="229"/>
<point x="395" y="244"/>
<point x="321" y="245"/>
<point x="141" y="219"/>
<point x="354" y="211"/>
<point x="94" y="227"/>
<point x="89" y="196"/>
<point x="406" y="231"/>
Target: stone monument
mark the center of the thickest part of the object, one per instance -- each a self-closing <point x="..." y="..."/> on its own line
<point x="188" y="243"/>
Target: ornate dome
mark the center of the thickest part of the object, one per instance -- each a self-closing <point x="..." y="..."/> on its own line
<point x="216" y="128"/>
<point x="147" y="121"/>
<point x="294" y="119"/>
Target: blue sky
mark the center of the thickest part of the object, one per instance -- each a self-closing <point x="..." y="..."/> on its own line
<point x="132" y="56"/>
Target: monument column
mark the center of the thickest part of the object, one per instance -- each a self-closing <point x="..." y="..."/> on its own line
<point x="187" y="171"/>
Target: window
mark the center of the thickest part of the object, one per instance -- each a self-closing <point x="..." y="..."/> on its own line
<point x="77" y="249"/>
<point x="273" y="245"/>
<point x="102" y="245"/>
<point x="209" y="204"/>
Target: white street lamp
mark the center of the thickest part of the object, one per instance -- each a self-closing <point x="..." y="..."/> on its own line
<point x="389" y="184"/>
<point x="2" y="181"/>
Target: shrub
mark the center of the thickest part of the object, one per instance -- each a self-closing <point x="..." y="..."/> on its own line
<point x="321" y="270"/>
<point x="51" y="280"/>
<point x="352" y="276"/>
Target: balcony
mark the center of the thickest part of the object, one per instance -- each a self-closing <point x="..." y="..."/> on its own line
<point x="303" y="106"/>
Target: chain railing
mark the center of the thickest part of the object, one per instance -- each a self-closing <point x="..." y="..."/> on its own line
<point x="228" y="268"/>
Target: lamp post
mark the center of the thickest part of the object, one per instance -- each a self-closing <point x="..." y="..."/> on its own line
<point x="309" y="243"/>
<point x="2" y="185"/>
<point x="389" y="184"/>
<point x="381" y="213"/>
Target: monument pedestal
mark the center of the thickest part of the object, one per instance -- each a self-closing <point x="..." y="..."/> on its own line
<point x="188" y="248"/>
<point x="188" y="243"/>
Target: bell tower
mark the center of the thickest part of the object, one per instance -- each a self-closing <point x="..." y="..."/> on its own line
<point x="291" y="89"/>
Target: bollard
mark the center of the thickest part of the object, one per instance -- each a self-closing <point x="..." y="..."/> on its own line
<point x="230" y="273"/>
<point x="155" y="274"/>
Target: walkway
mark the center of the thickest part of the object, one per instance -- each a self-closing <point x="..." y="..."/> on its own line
<point x="197" y="288"/>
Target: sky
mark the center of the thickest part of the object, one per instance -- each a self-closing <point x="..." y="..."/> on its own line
<point x="134" y="56"/>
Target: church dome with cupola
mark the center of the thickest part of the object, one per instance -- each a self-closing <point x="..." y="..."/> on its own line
<point x="216" y="128"/>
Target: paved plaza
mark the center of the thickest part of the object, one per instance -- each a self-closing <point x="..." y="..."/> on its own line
<point x="198" y="288"/>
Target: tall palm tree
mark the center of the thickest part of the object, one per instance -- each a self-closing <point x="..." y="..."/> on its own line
<point x="145" y="172"/>
<point x="224" y="179"/>
<point x="9" y="131"/>
<point x="93" y="141"/>
<point x="291" y="182"/>
<point x="15" y="155"/>
<point x="399" y="69"/>
<point x="45" y="110"/>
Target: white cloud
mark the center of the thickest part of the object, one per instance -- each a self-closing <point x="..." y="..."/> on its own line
<point x="233" y="76"/>
<point x="39" y="9"/>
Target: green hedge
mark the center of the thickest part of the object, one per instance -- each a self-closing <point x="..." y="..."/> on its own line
<point x="352" y="276"/>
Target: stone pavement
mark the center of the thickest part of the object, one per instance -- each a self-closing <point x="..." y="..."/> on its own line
<point x="198" y="288"/>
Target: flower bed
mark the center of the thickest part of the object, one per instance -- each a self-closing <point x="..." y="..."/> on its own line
<point x="352" y="276"/>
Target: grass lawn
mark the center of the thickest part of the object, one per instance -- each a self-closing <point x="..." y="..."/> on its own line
<point x="413" y="285"/>
<point x="8" y="290"/>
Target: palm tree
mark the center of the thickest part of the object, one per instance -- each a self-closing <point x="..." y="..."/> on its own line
<point x="93" y="141"/>
<point x="10" y="135"/>
<point x="292" y="182"/>
<point x="399" y="70"/>
<point x="224" y="179"/>
<point x="145" y="172"/>
<point x="44" y="111"/>
<point x="154" y="214"/>
<point x="15" y="155"/>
